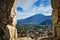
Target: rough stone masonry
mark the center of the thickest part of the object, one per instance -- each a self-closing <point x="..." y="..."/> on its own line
<point x="56" y="18"/>
<point x="8" y="20"/>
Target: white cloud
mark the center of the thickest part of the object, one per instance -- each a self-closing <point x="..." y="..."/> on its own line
<point x="23" y="15"/>
<point x="40" y="10"/>
<point x="45" y="10"/>
<point x="26" y="4"/>
<point x="35" y="10"/>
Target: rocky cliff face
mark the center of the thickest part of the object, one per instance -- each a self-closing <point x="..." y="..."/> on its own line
<point x="56" y="17"/>
<point x="8" y="20"/>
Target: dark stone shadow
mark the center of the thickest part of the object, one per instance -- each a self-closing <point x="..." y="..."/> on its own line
<point x="5" y="18"/>
<point x="4" y="32"/>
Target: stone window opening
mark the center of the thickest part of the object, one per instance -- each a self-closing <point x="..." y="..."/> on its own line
<point x="10" y="32"/>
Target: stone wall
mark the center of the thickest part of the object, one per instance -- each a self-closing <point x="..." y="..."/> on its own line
<point x="56" y="17"/>
<point x="8" y="20"/>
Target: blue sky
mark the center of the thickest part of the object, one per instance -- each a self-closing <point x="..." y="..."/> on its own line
<point x="28" y="8"/>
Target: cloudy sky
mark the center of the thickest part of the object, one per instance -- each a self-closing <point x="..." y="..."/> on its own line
<point x="28" y="8"/>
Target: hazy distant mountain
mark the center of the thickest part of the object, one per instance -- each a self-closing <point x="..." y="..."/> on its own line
<point x="36" y="19"/>
<point x="46" y="22"/>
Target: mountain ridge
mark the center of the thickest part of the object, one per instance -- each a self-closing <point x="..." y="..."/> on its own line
<point x="35" y="19"/>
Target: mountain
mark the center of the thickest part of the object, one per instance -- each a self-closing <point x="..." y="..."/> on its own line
<point x="35" y="19"/>
<point x="46" y="22"/>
